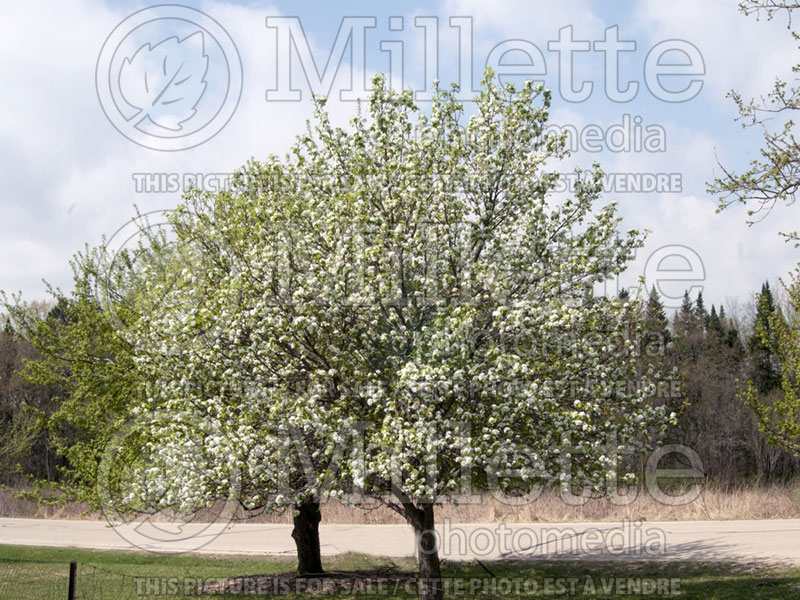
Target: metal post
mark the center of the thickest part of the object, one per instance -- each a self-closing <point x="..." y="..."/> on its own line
<point x="73" y="571"/>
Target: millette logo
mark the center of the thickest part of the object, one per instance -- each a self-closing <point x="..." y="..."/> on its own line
<point x="169" y="77"/>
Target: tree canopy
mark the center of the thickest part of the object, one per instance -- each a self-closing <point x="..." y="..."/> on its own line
<point x="413" y="280"/>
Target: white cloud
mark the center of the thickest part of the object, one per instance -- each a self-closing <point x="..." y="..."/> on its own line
<point x="67" y="173"/>
<point x="528" y="20"/>
<point x="740" y="52"/>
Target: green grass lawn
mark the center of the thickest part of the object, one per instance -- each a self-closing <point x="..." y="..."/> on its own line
<point x="28" y="573"/>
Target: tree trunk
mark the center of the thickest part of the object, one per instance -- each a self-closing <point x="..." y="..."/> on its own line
<point x="306" y="537"/>
<point x="430" y="569"/>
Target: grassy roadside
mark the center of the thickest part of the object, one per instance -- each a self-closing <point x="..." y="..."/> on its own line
<point x="28" y="573"/>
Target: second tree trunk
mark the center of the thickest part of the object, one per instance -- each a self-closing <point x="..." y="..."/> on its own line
<point x="306" y="537"/>
<point x="430" y="569"/>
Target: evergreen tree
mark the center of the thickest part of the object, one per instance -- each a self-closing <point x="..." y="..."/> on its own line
<point x="687" y="330"/>
<point x="686" y="304"/>
<point x="764" y="373"/>
<point x="714" y="323"/>
<point x="700" y="309"/>
<point x="731" y="334"/>
<point x="656" y="334"/>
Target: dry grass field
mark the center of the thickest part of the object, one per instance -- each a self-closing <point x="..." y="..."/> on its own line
<point x="773" y="502"/>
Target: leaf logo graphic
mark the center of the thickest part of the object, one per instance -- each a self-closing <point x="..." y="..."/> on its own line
<point x="151" y="77"/>
<point x="166" y="81"/>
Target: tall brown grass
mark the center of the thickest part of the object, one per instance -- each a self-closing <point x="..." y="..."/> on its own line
<point x="770" y="502"/>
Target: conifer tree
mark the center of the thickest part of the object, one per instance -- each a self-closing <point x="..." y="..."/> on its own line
<point x="764" y="367"/>
<point x="700" y="310"/>
<point x="656" y="333"/>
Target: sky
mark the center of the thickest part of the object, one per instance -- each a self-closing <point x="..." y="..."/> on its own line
<point x="109" y="106"/>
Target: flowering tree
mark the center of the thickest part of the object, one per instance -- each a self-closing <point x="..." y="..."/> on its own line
<point x="408" y="283"/>
<point x="771" y="177"/>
